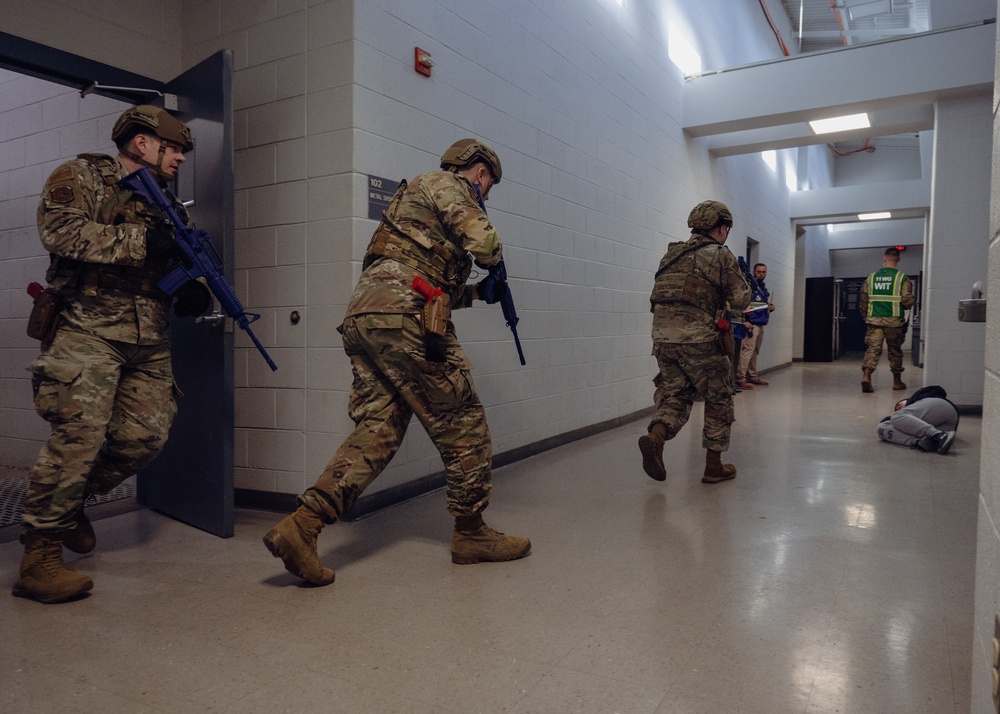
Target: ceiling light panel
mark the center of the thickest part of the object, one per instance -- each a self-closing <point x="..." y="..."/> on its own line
<point x="844" y="123"/>
<point x="874" y="216"/>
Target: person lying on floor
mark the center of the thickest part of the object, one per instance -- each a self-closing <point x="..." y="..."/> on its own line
<point x="927" y="420"/>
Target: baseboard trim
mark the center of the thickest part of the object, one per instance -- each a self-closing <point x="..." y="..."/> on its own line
<point x="367" y="505"/>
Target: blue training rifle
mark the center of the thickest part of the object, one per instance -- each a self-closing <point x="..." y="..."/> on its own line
<point x="204" y="259"/>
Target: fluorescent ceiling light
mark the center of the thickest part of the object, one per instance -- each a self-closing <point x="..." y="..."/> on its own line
<point x="874" y="216"/>
<point x="845" y="123"/>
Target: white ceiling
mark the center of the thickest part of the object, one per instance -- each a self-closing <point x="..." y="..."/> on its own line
<point x="896" y="83"/>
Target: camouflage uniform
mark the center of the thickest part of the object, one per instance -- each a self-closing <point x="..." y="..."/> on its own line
<point x="104" y="382"/>
<point x="695" y="281"/>
<point x="891" y="330"/>
<point x="430" y="229"/>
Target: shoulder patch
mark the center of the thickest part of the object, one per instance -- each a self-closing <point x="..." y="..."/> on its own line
<point x="61" y="194"/>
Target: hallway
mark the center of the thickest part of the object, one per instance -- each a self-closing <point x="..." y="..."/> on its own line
<point x="834" y="574"/>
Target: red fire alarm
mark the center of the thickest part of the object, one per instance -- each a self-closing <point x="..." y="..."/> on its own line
<point x="900" y="248"/>
<point x="422" y="61"/>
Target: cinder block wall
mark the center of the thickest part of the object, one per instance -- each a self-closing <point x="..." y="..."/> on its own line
<point x="41" y="125"/>
<point x="957" y="250"/>
<point x="582" y="103"/>
<point x="294" y="134"/>
<point x="988" y="541"/>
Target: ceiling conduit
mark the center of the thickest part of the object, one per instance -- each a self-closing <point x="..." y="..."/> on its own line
<point x="774" y="28"/>
<point x="840" y="21"/>
<point x="866" y="148"/>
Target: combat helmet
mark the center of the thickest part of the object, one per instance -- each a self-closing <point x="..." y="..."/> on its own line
<point x="707" y="215"/>
<point x="467" y="151"/>
<point x="156" y="120"/>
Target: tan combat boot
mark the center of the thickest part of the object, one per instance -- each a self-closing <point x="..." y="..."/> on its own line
<point x="43" y="575"/>
<point x="897" y="381"/>
<point x="866" y="381"/>
<point x="715" y="470"/>
<point x="474" y="541"/>
<point x="294" y="541"/>
<point x="82" y="538"/>
<point x="651" y="447"/>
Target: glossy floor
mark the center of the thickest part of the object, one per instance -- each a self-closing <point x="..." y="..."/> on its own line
<point x="834" y="574"/>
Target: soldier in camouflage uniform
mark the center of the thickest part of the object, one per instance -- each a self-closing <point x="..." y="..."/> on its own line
<point x="433" y="229"/>
<point x="885" y="297"/>
<point x="103" y="380"/>
<point x="694" y="282"/>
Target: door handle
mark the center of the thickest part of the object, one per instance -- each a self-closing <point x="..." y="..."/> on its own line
<point x="214" y="319"/>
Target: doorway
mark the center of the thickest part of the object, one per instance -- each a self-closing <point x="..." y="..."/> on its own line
<point x="853" y="328"/>
<point x="65" y="105"/>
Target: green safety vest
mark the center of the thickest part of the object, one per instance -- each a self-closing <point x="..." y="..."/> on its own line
<point x="884" y="288"/>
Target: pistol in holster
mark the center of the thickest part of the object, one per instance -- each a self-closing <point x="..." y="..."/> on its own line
<point x="45" y="313"/>
<point x="725" y="340"/>
<point x="434" y="317"/>
<point x="437" y="312"/>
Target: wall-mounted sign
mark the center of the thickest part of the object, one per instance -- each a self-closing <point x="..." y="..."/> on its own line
<point x="380" y="192"/>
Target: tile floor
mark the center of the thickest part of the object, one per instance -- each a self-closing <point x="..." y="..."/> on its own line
<point x="835" y="574"/>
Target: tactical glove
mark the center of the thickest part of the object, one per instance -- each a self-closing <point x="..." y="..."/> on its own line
<point x="491" y="290"/>
<point x="193" y="299"/>
<point x="160" y="245"/>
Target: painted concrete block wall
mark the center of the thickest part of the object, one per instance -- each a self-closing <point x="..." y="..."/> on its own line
<point x="817" y="253"/>
<point x="888" y="162"/>
<point x="879" y="234"/>
<point x="861" y="262"/>
<point x="294" y="142"/>
<point x="581" y="103"/>
<point x="41" y="125"/>
<point x="958" y="246"/>
<point x="761" y="213"/>
<point x="987" y="598"/>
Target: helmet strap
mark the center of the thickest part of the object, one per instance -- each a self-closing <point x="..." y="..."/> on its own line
<point x="157" y="167"/>
<point x="159" y="159"/>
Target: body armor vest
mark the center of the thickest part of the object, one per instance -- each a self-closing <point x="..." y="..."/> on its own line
<point x="679" y="281"/>
<point x="67" y="276"/>
<point x="447" y="264"/>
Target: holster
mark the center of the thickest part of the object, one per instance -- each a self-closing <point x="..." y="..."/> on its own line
<point x="726" y="343"/>
<point x="44" y="318"/>
<point x="436" y="314"/>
